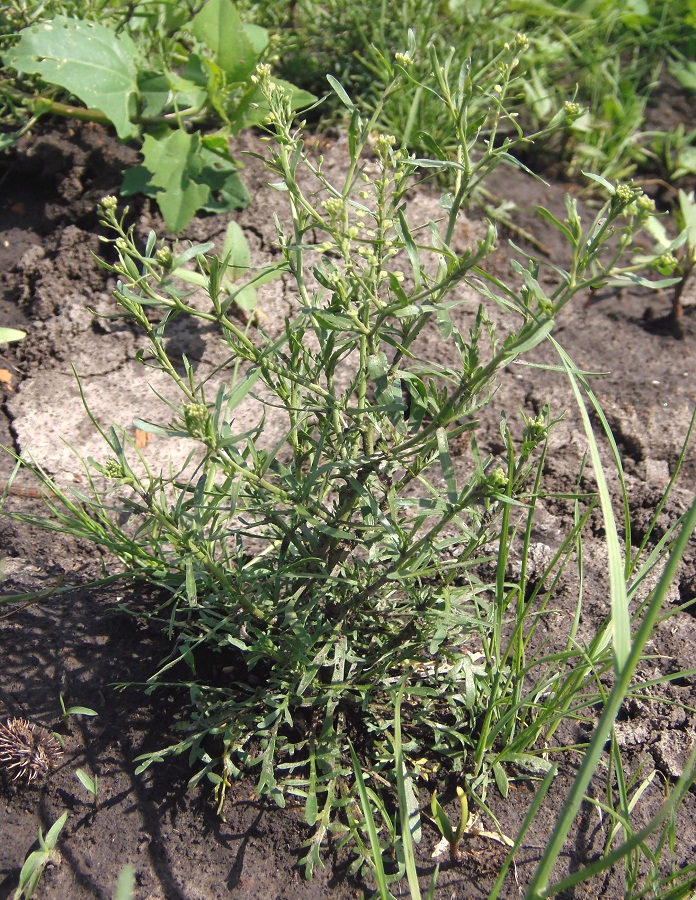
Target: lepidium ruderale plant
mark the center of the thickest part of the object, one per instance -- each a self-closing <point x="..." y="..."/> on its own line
<point x="321" y="569"/>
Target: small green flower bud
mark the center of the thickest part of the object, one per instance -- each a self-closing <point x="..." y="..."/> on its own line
<point x="113" y="470"/>
<point x="521" y="40"/>
<point x="383" y="144"/>
<point x="535" y="430"/>
<point x="164" y="257"/>
<point x="261" y="74"/>
<point x="108" y="204"/>
<point x="403" y="59"/>
<point x="625" y="194"/>
<point x="498" y="479"/>
<point x="196" y="418"/>
<point x="333" y="206"/>
<point x="572" y="110"/>
<point x="666" y="263"/>
<point x="645" y="204"/>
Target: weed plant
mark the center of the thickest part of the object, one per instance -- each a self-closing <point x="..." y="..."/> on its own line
<point x="609" y="55"/>
<point x="173" y="78"/>
<point x="348" y="586"/>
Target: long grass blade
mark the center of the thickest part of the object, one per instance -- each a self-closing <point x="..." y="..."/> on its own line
<point x="538" y="886"/>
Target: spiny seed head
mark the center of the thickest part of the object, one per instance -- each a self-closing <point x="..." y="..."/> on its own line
<point x="27" y="751"/>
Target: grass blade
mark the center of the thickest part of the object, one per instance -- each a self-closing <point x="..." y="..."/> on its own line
<point x="538" y="885"/>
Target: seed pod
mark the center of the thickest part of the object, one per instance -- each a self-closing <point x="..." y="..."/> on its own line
<point x="27" y="751"/>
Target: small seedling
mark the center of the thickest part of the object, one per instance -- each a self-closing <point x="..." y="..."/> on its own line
<point x="66" y="712"/>
<point x="125" y="884"/>
<point x="453" y="838"/>
<point x="7" y="335"/>
<point x="89" y="782"/>
<point x="37" y="861"/>
<point x="675" y="258"/>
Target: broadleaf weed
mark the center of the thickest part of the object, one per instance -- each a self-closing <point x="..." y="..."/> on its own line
<point x="354" y="555"/>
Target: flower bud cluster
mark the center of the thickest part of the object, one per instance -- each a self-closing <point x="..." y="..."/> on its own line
<point x="108" y="204"/>
<point x="645" y="204"/>
<point x="624" y="195"/>
<point x="383" y="144"/>
<point x="666" y="263"/>
<point x="164" y="257"/>
<point x="572" y="111"/>
<point x="522" y="40"/>
<point x="113" y="470"/>
<point x="535" y="429"/>
<point x="262" y="74"/>
<point x="498" y="480"/>
<point x="196" y="419"/>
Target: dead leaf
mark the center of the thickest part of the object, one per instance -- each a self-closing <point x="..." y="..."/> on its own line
<point x="142" y="438"/>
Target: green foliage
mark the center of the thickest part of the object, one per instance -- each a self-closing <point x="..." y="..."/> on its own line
<point x="452" y="837"/>
<point x="7" y="335"/>
<point x="89" y="782"/>
<point x="674" y="257"/>
<point x="341" y="574"/>
<point x="321" y="569"/>
<point x="37" y="861"/>
<point x="88" y="60"/>
<point x="604" y="56"/>
<point x="181" y="86"/>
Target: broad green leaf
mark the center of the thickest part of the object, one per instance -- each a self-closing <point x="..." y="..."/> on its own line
<point x="218" y="143"/>
<point x="81" y="711"/>
<point x="220" y="28"/>
<point x="334" y="321"/>
<point x="236" y="249"/>
<point x="441" y="820"/>
<point x="53" y="832"/>
<point x="340" y="92"/>
<point x="87" y="59"/>
<point x="171" y="170"/>
<point x="242" y="388"/>
<point x="501" y="779"/>
<point x="164" y="89"/>
<point x="87" y="781"/>
<point x="227" y="190"/>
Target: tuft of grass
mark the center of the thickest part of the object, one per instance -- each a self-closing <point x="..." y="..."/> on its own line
<point x="36" y="862"/>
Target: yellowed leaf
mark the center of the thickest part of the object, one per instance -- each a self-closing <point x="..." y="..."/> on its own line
<point x="142" y="438"/>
